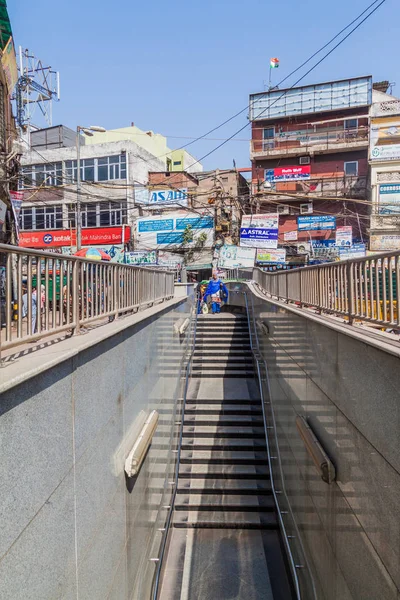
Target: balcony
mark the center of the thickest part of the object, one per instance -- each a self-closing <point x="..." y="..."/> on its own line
<point x="386" y="109"/>
<point x="338" y="186"/>
<point x="309" y="141"/>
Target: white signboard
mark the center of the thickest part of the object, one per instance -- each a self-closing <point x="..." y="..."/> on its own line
<point x="183" y="230"/>
<point x="385" y="242"/>
<point x="169" y="259"/>
<point x="231" y="257"/>
<point x="290" y="236"/>
<point x="259" y="231"/>
<point x="271" y="256"/>
<point x="344" y="236"/>
<point x="161" y="198"/>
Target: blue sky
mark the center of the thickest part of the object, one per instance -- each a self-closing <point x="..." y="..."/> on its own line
<point x="180" y="68"/>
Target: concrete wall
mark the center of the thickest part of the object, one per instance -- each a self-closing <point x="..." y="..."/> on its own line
<point x="72" y="526"/>
<point x="347" y="385"/>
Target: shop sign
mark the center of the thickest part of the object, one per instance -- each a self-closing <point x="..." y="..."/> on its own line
<point x="272" y="256"/>
<point x="288" y="173"/>
<point x="356" y="251"/>
<point x="385" y="242"/>
<point x="389" y="198"/>
<point x="259" y="231"/>
<point x="289" y="236"/>
<point x="138" y="258"/>
<point x="344" y="236"/>
<point x="313" y="223"/>
<point x="62" y="237"/>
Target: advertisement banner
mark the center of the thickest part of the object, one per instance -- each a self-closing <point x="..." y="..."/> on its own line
<point x="344" y="236"/>
<point x="288" y="173"/>
<point x="357" y="250"/>
<point x="62" y="237"/>
<point x="385" y="139"/>
<point x="16" y="199"/>
<point x="272" y="256"/>
<point x="389" y="198"/>
<point x="259" y="231"/>
<point x="231" y="257"/>
<point x="170" y="260"/>
<point x="9" y="63"/>
<point x="162" y="198"/>
<point x="178" y="229"/>
<point x="313" y="223"/>
<point x="385" y="242"/>
<point x="138" y="258"/>
<point x="289" y="236"/>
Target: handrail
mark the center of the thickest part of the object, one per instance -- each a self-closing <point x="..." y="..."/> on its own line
<point x="156" y="580"/>
<point x="64" y="293"/>
<point x="363" y="289"/>
<point x="259" y="359"/>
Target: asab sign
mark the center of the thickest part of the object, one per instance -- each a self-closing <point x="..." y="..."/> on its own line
<point x="161" y="198"/>
<point x="259" y="231"/>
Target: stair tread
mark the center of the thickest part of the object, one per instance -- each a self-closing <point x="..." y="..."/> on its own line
<point x="226" y="430"/>
<point x="226" y="519"/>
<point x="224" y="471"/>
<point x="224" y="486"/>
<point x="238" y="502"/>
<point x="191" y="419"/>
<point x="222" y="443"/>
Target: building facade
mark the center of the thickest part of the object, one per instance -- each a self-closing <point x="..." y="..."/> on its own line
<point x="309" y="154"/>
<point x="384" y="158"/>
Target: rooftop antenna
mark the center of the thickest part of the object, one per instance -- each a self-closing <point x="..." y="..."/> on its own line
<point x="37" y="87"/>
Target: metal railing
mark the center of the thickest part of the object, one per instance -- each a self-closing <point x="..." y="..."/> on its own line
<point x="43" y="293"/>
<point x="362" y="289"/>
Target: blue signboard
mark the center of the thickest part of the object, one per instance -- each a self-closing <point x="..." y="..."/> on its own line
<point x="170" y="238"/>
<point x="200" y="223"/>
<point x="312" y="223"/>
<point x="156" y="225"/>
<point x="323" y="243"/>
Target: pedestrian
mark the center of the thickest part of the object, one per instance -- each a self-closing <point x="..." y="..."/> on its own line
<point x="218" y="292"/>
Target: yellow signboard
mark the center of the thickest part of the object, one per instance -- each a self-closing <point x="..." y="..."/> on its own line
<point x="9" y="63"/>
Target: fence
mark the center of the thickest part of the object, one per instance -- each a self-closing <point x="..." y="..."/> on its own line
<point x="42" y="293"/>
<point x="364" y="289"/>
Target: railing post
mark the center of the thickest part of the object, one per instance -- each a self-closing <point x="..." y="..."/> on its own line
<point x="76" y="299"/>
<point x="319" y="310"/>
<point x="116" y="290"/>
<point x="300" y="287"/>
<point x="286" y="283"/>
<point x="350" y="293"/>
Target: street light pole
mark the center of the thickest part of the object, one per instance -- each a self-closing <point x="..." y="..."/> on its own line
<point x="78" y="190"/>
<point x="87" y="131"/>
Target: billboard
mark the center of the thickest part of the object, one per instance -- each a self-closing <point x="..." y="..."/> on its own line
<point x="170" y="260"/>
<point x="259" y="231"/>
<point x="314" y="223"/>
<point x="161" y="198"/>
<point x="231" y="257"/>
<point x="271" y="256"/>
<point x="384" y="242"/>
<point x="183" y="229"/>
<point x="97" y="236"/>
<point x="389" y="198"/>
<point x="9" y="64"/>
<point x="138" y="258"/>
<point x="288" y="173"/>
<point x="385" y="139"/>
<point x="344" y="236"/>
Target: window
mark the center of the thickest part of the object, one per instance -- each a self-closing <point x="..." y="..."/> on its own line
<point x="168" y="164"/>
<point x="177" y="163"/>
<point x="268" y="138"/>
<point x="351" y="168"/>
<point x="99" y="214"/>
<point x="41" y="217"/>
<point x="105" y="168"/>
<point x="46" y="175"/>
<point x="351" y="124"/>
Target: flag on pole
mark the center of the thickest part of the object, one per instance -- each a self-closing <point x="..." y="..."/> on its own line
<point x="274" y="63"/>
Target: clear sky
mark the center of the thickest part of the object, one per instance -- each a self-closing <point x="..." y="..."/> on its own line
<point x="182" y="67"/>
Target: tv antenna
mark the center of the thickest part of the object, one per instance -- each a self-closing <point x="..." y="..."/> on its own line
<point x="36" y="88"/>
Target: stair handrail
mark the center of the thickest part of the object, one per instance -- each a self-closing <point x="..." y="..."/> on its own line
<point x="259" y="359"/>
<point x="156" y="579"/>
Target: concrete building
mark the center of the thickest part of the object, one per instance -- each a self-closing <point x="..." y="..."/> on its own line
<point x="111" y="170"/>
<point x="384" y="159"/>
<point x="309" y="150"/>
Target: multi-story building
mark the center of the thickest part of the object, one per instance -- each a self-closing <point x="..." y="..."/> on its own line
<point x="309" y="153"/>
<point x="111" y="170"/>
<point x="384" y="160"/>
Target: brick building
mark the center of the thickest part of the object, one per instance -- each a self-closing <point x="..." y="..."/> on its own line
<point x="309" y="153"/>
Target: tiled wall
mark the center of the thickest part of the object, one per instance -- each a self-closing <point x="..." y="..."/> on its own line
<point x="72" y="526"/>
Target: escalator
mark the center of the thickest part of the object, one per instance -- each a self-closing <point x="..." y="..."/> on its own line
<point x="224" y="541"/>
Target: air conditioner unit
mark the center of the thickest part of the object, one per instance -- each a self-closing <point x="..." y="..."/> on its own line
<point x="282" y="209"/>
<point x="306" y="209"/>
<point x="304" y="160"/>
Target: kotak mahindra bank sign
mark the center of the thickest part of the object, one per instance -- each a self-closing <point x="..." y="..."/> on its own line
<point x="90" y="237"/>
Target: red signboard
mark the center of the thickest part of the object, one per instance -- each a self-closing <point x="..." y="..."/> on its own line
<point x="288" y="173"/>
<point x="63" y="237"/>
